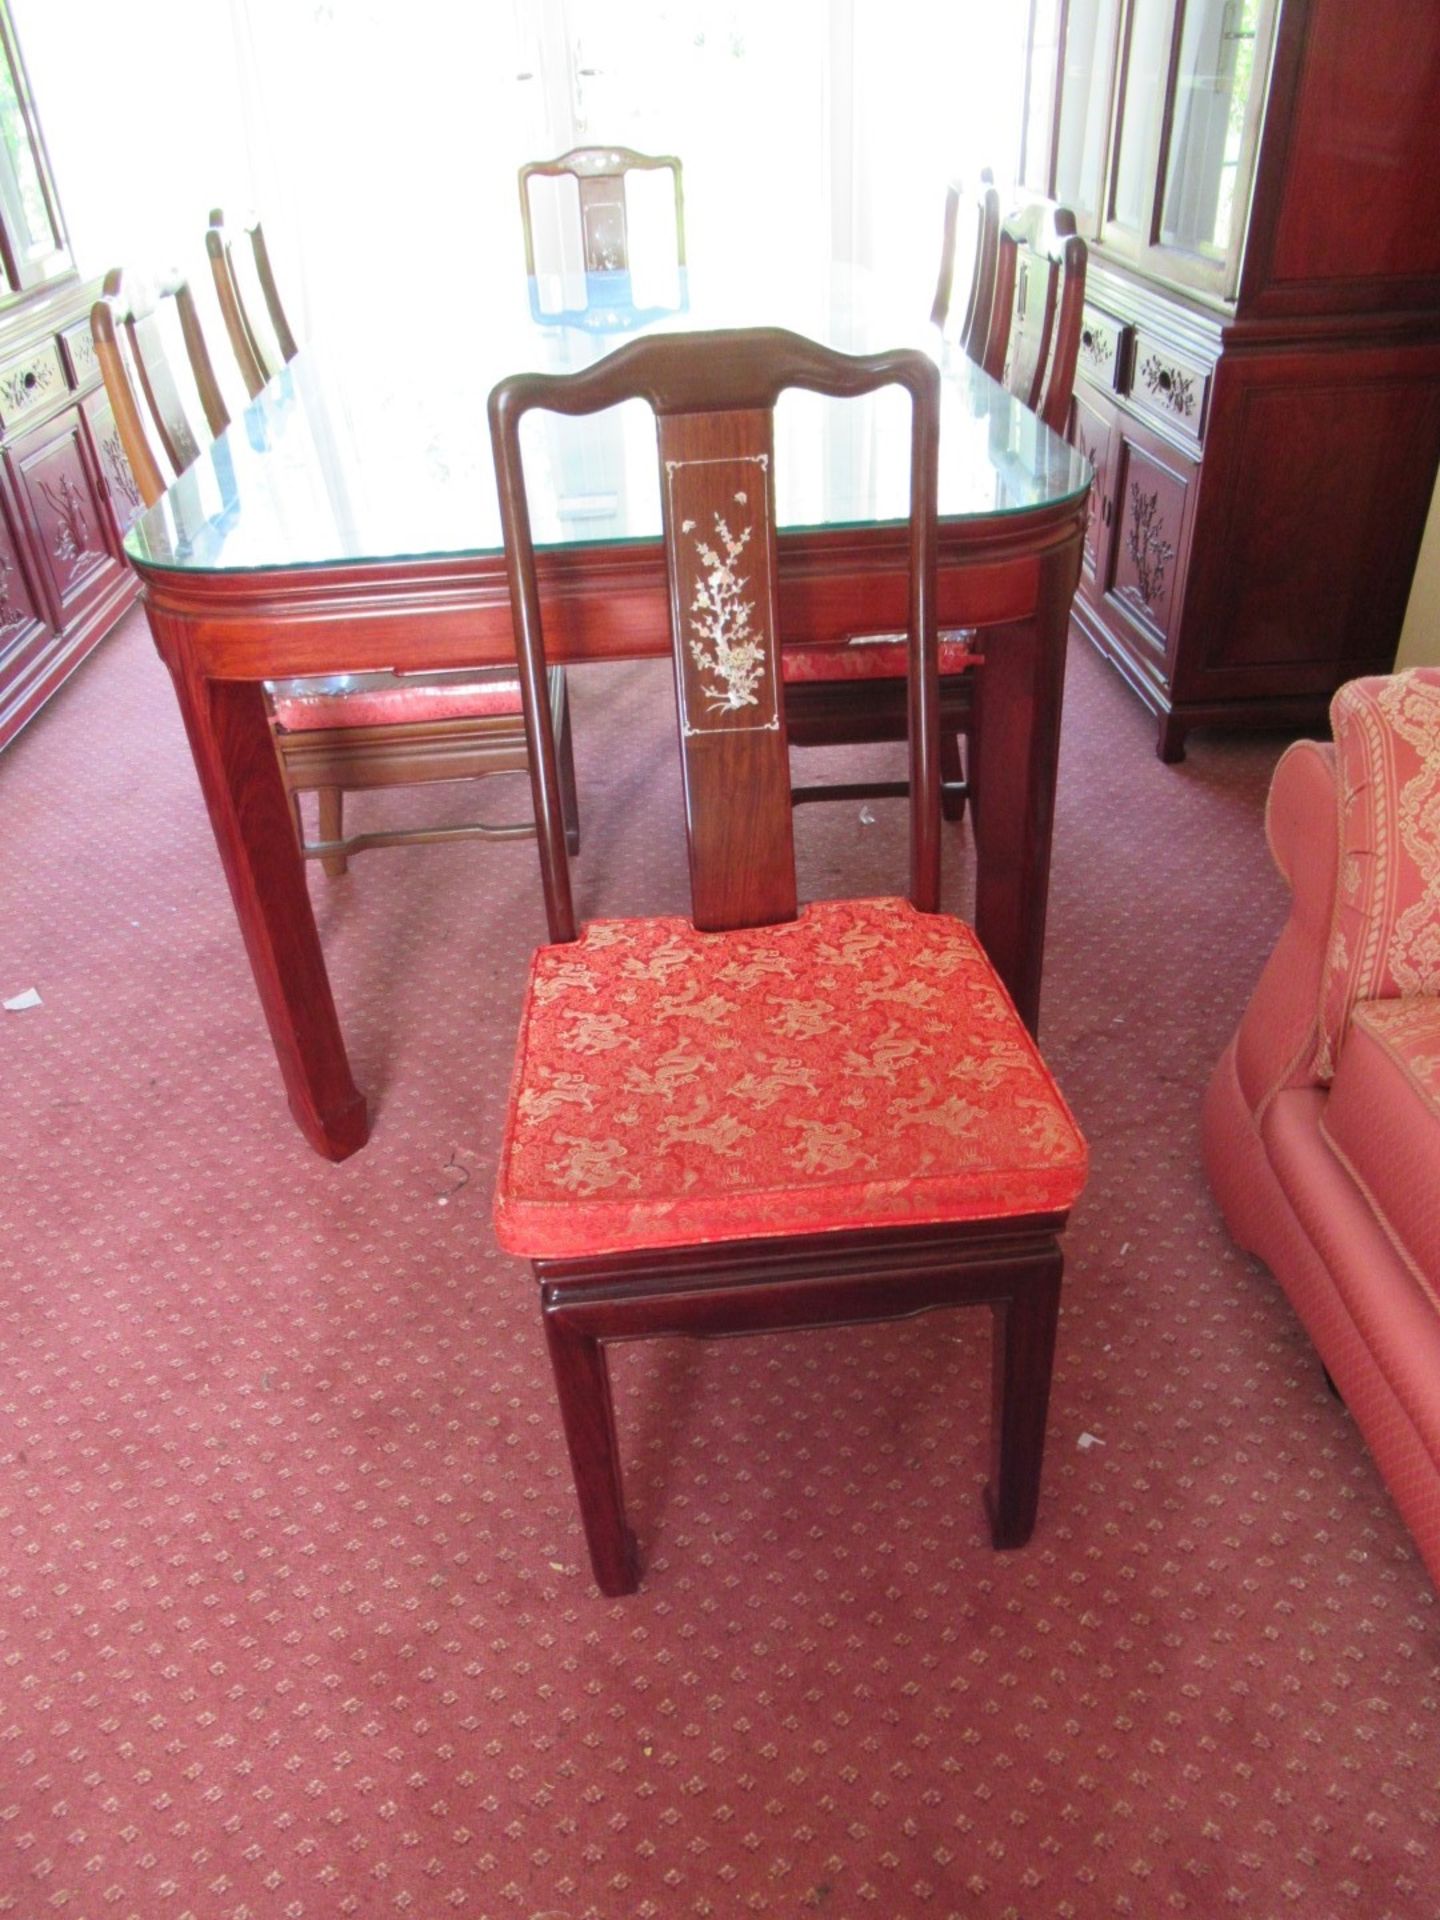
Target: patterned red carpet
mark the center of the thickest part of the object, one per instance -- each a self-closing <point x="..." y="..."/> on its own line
<point x="295" y="1618"/>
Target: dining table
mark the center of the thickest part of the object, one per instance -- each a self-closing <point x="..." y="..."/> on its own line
<point x="347" y="521"/>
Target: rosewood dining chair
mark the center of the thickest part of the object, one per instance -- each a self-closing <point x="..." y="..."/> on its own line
<point x="766" y="1116"/>
<point x="343" y="732"/>
<point x="237" y="263"/>
<point x="600" y="222"/>
<point x="982" y="202"/>
<point x="1039" y="302"/>
<point x="854" y="693"/>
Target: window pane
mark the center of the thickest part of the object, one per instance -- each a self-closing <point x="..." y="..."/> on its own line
<point x="1040" y="95"/>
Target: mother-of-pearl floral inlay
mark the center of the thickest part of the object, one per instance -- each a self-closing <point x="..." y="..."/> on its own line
<point x="728" y="677"/>
<point x="721" y="641"/>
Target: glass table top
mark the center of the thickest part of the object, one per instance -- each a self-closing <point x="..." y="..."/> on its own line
<point x="361" y="454"/>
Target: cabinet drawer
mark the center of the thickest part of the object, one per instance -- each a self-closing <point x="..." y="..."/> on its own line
<point x="1168" y="385"/>
<point x="31" y="381"/>
<point x="77" y="343"/>
<point x="1104" y="341"/>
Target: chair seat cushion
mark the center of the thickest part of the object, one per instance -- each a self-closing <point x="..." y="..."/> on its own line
<point x="861" y="1066"/>
<point x="388" y="700"/>
<point x="873" y="656"/>
<point x="1383" y="1121"/>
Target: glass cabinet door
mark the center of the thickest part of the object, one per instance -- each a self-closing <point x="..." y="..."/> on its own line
<point x="1192" y="85"/>
<point x="32" y="241"/>
<point x="1141" y="118"/>
<point x="1214" y="86"/>
<point x="1083" y="135"/>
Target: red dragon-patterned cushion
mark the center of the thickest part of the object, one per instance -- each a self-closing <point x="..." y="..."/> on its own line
<point x="314" y="706"/>
<point x="861" y="1066"/>
<point x="874" y="656"/>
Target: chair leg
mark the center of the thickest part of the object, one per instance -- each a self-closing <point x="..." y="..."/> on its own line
<point x="952" y="777"/>
<point x="332" y="827"/>
<point x="1023" y="1355"/>
<point x="582" y="1382"/>
<point x="569" y="796"/>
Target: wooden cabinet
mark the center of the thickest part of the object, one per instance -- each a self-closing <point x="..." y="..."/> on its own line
<point x="1259" y="377"/>
<point x="64" y="580"/>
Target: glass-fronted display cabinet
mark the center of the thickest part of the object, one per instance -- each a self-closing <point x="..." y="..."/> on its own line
<point x="64" y="487"/>
<point x="1259" y="372"/>
<point x="1145" y="118"/>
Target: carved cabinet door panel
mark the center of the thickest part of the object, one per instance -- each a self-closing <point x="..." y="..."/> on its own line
<point x="1092" y="425"/>
<point x="22" y="623"/>
<point x="1151" y="511"/>
<point x="61" y="497"/>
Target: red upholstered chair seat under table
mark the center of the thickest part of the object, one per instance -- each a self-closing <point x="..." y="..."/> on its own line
<point x="861" y="1066"/>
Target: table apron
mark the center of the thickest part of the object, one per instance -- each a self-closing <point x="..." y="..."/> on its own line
<point x="605" y="604"/>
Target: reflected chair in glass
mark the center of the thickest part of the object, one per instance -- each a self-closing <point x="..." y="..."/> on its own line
<point x="604" y="238"/>
<point x="853" y="694"/>
<point x="983" y="203"/>
<point x="343" y="732"/>
<point x="765" y="1116"/>
<point x="260" y="351"/>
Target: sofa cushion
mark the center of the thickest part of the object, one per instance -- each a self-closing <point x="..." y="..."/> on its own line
<point x="1382" y="1120"/>
<point x="1385" y="934"/>
<point x="861" y="1066"/>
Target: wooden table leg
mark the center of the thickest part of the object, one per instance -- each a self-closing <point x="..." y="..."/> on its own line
<point x="250" y="814"/>
<point x="1018" y="697"/>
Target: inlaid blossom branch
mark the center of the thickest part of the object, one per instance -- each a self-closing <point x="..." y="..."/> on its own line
<point x="721" y="640"/>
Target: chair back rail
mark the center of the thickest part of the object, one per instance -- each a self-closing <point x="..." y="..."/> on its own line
<point x="139" y="381"/>
<point x="254" y="357"/>
<point x="1038" y="308"/>
<point x="984" y="202"/>
<point x="713" y="395"/>
<point x="599" y="173"/>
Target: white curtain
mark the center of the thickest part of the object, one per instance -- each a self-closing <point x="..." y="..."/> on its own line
<point x="380" y="138"/>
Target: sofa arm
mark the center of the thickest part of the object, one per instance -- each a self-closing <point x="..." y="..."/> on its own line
<point x="1275" y="1045"/>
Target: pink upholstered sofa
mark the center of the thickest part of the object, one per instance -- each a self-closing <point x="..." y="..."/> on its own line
<point x="1322" y="1121"/>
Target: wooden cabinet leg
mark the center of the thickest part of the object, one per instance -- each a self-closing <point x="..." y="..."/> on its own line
<point x="1170" y="743"/>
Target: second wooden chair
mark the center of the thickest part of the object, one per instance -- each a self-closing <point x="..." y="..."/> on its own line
<point x="1030" y="340"/>
<point x="343" y="732"/>
<point x="260" y="350"/>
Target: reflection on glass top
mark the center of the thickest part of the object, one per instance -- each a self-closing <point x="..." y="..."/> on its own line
<point x="375" y="457"/>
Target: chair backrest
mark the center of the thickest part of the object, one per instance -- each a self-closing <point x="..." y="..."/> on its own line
<point x="581" y="218"/>
<point x="237" y="261"/>
<point x="1038" y="309"/>
<point x="714" y="395"/>
<point x="983" y="203"/>
<point x="155" y="431"/>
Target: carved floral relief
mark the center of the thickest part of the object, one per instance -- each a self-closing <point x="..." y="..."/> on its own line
<point x="1169" y="385"/>
<point x="1150" y="552"/>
